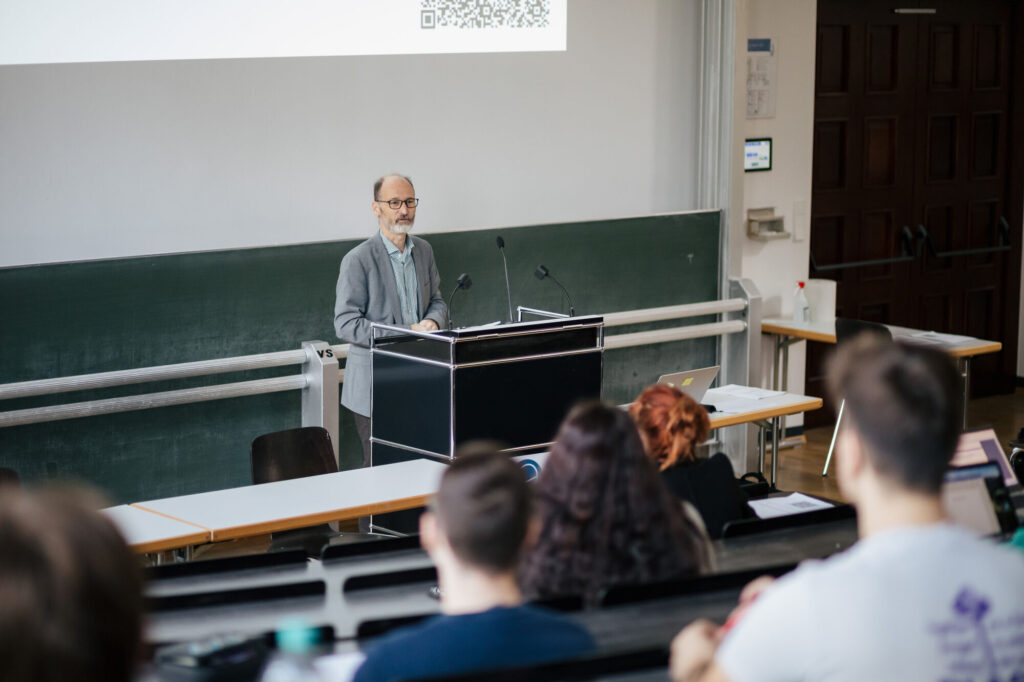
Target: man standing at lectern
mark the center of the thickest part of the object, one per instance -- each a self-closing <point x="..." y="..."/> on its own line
<point x="390" y="278"/>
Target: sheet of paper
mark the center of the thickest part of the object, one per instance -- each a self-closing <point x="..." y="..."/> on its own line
<point x="794" y="503"/>
<point x="339" y="667"/>
<point x="761" y="70"/>
<point x="728" y="405"/>
<point x="941" y="339"/>
<point x="746" y="392"/>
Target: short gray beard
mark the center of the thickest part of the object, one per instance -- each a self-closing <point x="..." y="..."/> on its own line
<point x="401" y="228"/>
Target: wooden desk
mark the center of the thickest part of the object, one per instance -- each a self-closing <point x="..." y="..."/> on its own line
<point x="148" y="532"/>
<point x="767" y="415"/>
<point x="300" y="502"/>
<point x="787" y="332"/>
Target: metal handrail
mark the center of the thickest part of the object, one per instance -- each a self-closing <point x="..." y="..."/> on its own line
<point x="694" y="331"/>
<point x="185" y="370"/>
<point x="672" y="312"/>
<point x="146" y="401"/>
<point x="126" y="377"/>
<point x="24" y="389"/>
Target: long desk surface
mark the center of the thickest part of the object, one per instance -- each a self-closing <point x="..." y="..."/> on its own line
<point x="149" y="532"/>
<point x="825" y="332"/>
<point x="282" y="505"/>
<point x="175" y="522"/>
<point x="788" y="332"/>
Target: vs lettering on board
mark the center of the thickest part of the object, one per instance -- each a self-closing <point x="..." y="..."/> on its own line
<point x="326" y="353"/>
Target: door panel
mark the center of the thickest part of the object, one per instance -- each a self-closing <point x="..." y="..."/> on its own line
<point x="912" y="126"/>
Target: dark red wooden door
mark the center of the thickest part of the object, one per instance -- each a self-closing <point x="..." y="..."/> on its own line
<point x="913" y="126"/>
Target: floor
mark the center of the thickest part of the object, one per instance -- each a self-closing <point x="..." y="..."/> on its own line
<point x="800" y="467"/>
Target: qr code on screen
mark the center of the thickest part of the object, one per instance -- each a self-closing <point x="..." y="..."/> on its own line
<point x="485" y="13"/>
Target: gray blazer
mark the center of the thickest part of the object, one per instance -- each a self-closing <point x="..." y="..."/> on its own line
<point x="367" y="293"/>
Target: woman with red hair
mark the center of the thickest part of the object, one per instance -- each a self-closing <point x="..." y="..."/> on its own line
<point x="672" y="425"/>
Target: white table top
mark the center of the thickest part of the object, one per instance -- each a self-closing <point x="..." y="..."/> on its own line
<point x="145" y="531"/>
<point x="764" y="408"/>
<point x="281" y="505"/>
<point x="825" y="331"/>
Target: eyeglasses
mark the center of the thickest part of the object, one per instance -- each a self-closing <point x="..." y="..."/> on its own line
<point x="396" y="204"/>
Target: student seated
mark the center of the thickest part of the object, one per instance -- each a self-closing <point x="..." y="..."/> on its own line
<point x="672" y="425"/>
<point x="475" y="530"/>
<point x="606" y="517"/>
<point x="917" y="598"/>
<point x="70" y="591"/>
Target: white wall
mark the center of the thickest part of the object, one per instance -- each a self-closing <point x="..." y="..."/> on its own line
<point x="123" y="159"/>
<point x="776" y="266"/>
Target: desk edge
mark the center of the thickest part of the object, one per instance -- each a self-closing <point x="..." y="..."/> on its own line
<point x="767" y="413"/>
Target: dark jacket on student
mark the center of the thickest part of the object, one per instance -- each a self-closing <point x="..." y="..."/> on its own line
<point x="709" y="485"/>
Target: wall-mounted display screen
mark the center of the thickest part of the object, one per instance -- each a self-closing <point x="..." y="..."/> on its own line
<point x="757" y="154"/>
<point x="56" y="31"/>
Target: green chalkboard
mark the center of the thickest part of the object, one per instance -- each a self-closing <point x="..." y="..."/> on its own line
<point x="77" y="318"/>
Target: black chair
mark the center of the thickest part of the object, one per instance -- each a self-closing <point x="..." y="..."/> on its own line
<point x="846" y="330"/>
<point x="295" y="453"/>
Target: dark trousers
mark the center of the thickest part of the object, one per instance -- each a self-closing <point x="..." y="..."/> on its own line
<point x="363" y="429"/>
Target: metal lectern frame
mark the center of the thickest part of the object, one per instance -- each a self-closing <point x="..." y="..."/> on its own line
<point x="511" y="383"/>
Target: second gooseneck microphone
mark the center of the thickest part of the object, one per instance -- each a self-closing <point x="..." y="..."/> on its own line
<point x="508" y="287"/>
<point x="542" y="272"/>
<point x="463" y="282"/>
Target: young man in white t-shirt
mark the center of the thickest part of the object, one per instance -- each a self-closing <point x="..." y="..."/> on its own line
<point x="917" y="598"/>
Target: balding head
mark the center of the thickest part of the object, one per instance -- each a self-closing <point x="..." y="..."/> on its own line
<point x="381" y="181"/>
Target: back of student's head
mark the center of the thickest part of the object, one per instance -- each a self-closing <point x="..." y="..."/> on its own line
<point x="606" y="516"/>
<point x="904" y="402"/>
<point x="70" y="591"/>
<point x="483" y="507"/>
<point x="671" y="423"/>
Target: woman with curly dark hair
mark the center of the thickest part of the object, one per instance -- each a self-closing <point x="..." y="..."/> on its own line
<point x="606" y="517"/>
<point x="672" y="425"/>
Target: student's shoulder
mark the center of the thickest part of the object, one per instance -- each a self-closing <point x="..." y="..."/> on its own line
<point x="551" y="623"/>
<point x="389" y="654"/>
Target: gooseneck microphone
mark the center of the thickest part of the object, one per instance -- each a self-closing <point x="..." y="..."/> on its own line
<point x="542" y="272"/>
<point x="508" y="287"/>
<point x="463" y="282"/>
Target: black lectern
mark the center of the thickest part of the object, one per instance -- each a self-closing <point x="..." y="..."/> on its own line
<point x="512" y="383"/>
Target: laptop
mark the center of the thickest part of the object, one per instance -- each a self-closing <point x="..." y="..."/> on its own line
<point x="694" y="383"/>
<point x="976" y="497"/>
<point x="980" y="446"/>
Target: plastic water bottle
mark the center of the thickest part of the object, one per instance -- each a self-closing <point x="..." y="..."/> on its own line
<point x="293" y="662"/>
<point x="801" y="309"/>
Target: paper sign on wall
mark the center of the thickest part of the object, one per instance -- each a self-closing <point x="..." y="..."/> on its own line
<point x="760" y="78"/>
